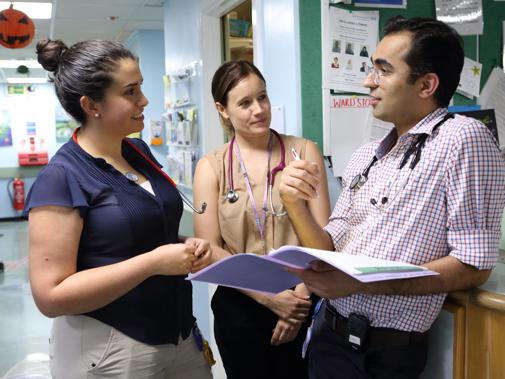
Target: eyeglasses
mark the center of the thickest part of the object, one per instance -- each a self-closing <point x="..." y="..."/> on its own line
<point x="376" y="73"/>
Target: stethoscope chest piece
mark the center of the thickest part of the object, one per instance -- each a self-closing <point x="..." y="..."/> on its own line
<point x="231" y="196"/>
<point x="357" y="182"/>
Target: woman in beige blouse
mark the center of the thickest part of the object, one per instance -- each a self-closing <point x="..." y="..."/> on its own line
<point x="258" y="335"/>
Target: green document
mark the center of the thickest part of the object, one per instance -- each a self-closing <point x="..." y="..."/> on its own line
<point x="376" y="270"/>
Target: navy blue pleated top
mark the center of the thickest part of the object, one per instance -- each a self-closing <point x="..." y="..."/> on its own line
<point x="122" y="220"/>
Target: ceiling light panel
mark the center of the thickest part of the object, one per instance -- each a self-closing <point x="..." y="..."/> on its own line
<point x="33" y="10"/>
<point x="15" y="63"/>
<point x="23" y="80"/>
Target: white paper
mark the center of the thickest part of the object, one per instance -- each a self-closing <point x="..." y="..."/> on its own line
<point x="350" y="121"/>
<point x="503" y="46"/>
<point x="349" y="40"/>
<point x="379" y="129"/>
<point x="493" y="96"/>
<point x="469" y="83"/>
<point x="463" y="15"/>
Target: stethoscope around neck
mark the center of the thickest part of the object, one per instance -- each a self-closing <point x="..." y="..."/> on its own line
<point x="415" y="148"/>
<point x="231" y="193"/>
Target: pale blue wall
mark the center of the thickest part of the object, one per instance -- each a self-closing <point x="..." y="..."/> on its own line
<point x="182" y="32"/>
<point x="148" y="45"/>
<point x="182" y="46"/>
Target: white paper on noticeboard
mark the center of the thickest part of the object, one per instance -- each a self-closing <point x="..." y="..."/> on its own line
<point x="379" y="129"/>
<point x="464" y="16"/>
<point x="503" y="46"/>
<point x="493" y="97"/>
<point x="349" y="40"/>
<point x="350" y="122"/>
<point x="469" y="83"/>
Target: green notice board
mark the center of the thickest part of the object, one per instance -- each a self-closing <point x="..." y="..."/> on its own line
<point x="490" y="51"/>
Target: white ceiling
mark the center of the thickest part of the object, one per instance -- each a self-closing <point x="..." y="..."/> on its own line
<point x="77" y="20"/>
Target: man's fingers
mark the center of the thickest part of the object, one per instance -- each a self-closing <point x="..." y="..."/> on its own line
<point x="321" y="266"/>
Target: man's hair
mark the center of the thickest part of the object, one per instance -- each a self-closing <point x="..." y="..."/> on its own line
<point x="436" y="47"/>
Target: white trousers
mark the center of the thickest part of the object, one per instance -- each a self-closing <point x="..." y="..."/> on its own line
<point x="83" y="347"/>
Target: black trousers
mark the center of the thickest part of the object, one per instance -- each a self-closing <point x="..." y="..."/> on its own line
<point x="243" y="329"/>
<point x="331" y="357"/>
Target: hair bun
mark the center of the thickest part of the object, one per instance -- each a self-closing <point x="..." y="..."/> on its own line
<point x="49" y="53"/>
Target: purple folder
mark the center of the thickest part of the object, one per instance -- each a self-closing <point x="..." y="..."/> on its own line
<point x="267" y="273"/>
<point x="250" y="272"/>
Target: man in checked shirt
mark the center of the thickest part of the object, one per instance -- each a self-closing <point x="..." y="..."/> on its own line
<point x="430" y="193"/>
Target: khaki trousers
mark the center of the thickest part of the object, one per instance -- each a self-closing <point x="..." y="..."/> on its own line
<point x="83" y="347"/>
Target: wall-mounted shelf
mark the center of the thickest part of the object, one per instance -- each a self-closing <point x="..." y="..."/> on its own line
<point x="181" y="125"/>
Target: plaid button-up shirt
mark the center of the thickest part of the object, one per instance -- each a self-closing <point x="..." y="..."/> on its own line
<point x="451" y="203"/>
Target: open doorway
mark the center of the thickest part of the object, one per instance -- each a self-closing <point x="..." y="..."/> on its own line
<point x="238" y="33"/>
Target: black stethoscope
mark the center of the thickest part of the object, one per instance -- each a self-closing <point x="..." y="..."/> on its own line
<point x="415" y="148"/>
<point x="232" y="195"/>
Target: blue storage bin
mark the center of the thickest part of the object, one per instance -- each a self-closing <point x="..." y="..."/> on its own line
<point x="239" y="28"/>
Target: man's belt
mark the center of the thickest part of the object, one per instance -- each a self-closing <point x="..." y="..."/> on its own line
<point x="375" y="337"/>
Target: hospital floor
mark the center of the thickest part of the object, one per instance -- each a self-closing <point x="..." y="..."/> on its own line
<point x="24" y="331"/>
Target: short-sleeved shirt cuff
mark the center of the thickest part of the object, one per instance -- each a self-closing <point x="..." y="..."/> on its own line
<point x="478" y="248"/>
<point x="57" y="186"/>
<point x="337" y="230"/>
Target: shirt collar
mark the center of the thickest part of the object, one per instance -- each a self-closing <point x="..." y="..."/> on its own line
<point x="425" y="126"/>
<point x="74" y="146"/>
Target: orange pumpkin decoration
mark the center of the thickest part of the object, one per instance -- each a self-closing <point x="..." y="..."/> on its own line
<point x="16" y="29"/>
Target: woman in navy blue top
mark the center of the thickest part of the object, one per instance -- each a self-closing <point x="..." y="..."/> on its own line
<point x="103" y="224"/>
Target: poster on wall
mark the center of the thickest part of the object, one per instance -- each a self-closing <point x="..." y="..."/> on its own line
<point x="5" y="129"/>
<point x="349" y="41"/>
<point x="464" y="16"/>
<point x="64" y="124"/>
<point x="16" y="89"/>
<point x="381" y="3"/>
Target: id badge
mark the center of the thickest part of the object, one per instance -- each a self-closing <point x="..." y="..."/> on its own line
<point x="203" y="345"/>
<point x="308" y="336"/>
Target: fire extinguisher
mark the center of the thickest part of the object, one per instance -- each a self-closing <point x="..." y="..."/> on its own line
<point x="18" y="193"/>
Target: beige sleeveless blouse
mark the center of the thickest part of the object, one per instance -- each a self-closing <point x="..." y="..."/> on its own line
<point x="239" y="232"/>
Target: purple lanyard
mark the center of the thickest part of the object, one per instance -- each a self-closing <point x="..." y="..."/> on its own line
<point x="260" y="222"/>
